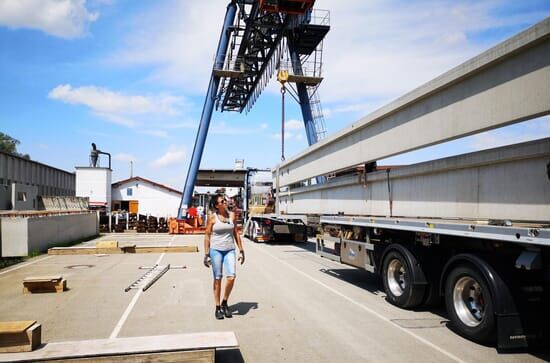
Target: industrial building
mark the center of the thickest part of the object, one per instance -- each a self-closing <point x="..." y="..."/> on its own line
<point x="38" y="207"/>
<point x="22" y="181"/>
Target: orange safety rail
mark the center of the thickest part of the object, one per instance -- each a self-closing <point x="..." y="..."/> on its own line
<point x="187" y="226"/>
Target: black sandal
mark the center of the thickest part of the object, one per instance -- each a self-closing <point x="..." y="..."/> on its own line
<point x="225" y="310"/>
<point x="219" y="313"/>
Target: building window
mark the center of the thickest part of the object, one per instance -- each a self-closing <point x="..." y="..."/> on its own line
<point x="129" y="192"/>
<point x="21" y="196"/>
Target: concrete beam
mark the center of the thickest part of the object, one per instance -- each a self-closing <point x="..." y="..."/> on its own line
<point x="502" y="183"/>
<point x="506" y="84"/>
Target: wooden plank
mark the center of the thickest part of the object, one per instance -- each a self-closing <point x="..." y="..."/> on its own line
<point x="162" y="249"/>
<point x="198" y="356"/>
<point x="23" y="341"/>
<point x="126" y="347"/>
<point x="106" y="244"/>
<point x="83" y="251"/>
<point x="43" y="278"/>
<point x="8" y="327"/>
<point x="119" y="250"/>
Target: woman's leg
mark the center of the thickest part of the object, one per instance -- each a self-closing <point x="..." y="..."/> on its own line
<point x="217" y="291"/>
<point x="216" y="258"/>
<point x="229" y="269"/>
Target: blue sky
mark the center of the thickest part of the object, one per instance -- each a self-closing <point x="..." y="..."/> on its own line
<point x="131" y="76"/>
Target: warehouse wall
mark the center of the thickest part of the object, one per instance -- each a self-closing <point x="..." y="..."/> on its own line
<point x="21" y="236"/>
<point x="153" y="200"/>
<point x="48" y="180"/>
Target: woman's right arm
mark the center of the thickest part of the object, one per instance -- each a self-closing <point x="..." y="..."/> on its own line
<point x="207" y="234"/>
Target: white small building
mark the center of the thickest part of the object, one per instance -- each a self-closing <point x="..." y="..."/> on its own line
<point x="94" y="183"/>
<point x="143" y="196"/>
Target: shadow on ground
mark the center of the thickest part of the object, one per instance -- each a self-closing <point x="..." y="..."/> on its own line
<point x="232" y="355"/>
<point x="242" y="308"/>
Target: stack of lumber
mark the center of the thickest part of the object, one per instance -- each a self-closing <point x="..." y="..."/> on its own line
<point x="19" y="336"/>
<point x="44" y="284"/>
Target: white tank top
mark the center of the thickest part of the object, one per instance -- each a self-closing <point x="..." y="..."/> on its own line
<point x="222" y="235"/>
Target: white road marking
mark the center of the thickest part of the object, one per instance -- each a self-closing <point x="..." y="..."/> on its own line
<point x="25" y="264"/>
<point x="378" y="315"/>
<point x="129" y="309"/>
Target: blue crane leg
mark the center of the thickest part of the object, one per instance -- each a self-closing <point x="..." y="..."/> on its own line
<point x="303" y="96"/>
<point x="207" y="112"/>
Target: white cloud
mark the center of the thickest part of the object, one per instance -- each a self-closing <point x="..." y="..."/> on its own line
<point x="116" y="107"/>
<point x="60" y="18"/>
<point x="174" y="155"/>
<point x="289" y="136"/>
<point x="107" y="101"/>
<point x="526" y="131"/>
<point x="182" y="125"/>
<point x="177" y="39"/>
<point x="125" y="157"/>
<point x="157" y="133"/>
<point x="222" y="128"/>
<point x="294" y="125"/>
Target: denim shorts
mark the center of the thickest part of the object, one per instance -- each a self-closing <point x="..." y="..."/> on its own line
<point x="223" y="263"/>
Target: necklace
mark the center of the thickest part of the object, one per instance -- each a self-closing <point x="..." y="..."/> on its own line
<point x="223" y="219"/>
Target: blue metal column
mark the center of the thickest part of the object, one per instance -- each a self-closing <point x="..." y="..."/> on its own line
<point x="207" y="111"/>
<point x="302" y="94"/>
<point x="303" y="97"/>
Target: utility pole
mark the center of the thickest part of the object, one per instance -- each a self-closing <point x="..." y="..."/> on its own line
<point x="131" y="168"/>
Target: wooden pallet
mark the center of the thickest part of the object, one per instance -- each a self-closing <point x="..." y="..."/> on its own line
<point x="19" y="336"/>
<point x="44" y="284"/>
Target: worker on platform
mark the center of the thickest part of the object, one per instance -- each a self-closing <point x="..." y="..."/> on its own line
<point x="192" y="216"/>
<point x="220" y="239"/>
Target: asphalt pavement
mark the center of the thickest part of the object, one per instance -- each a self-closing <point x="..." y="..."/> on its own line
<point x="288" y="305"/>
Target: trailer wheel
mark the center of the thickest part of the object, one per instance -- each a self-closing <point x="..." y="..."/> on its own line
<point x="469" y="304"/>
<point x="396" y="275"/>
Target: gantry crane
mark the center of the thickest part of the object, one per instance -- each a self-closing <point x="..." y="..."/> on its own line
<point x="257" y="38"/>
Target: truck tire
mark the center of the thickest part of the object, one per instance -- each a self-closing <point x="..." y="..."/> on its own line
<point x="469" y="304"/>
<point x="397" y="279"/>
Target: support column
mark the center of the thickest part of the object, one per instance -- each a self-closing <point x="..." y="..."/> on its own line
<point x="206" y="112"/>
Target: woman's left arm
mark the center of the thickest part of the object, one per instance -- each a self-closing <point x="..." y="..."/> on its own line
<point x="237" y="238"/>
<point x="236" y="234"/>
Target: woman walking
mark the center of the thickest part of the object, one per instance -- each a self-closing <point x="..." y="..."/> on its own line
<point x="219" y="247"/>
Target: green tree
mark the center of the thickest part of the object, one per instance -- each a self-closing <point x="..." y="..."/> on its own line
<point x="9" y="145"/>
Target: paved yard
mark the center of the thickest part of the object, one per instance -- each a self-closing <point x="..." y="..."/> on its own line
<point x="288" y="303"/>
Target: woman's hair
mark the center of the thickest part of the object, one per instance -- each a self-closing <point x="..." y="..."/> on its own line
<point x="214" y="201"/>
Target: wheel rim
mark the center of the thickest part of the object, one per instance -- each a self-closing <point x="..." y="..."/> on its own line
<point x="396" y="277"/>
<point x="468" y="300"/>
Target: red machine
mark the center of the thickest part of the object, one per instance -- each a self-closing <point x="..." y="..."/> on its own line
<point x="297" y="7"/>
